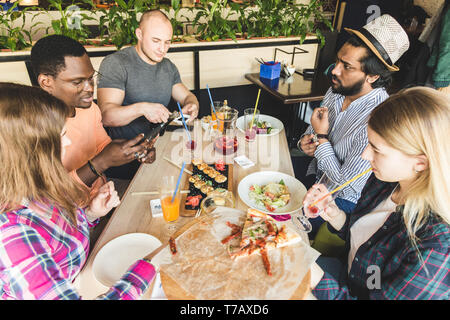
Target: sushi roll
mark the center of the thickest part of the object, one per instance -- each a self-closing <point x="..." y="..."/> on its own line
<point x="206" y="189"/>
<point x="199" y="184"/>
<point x="202" y="166"/>
<point x="221" y="181"/>
<point x="193" y="178"/>
<point x="195" y="166"/>
<point x="213" y="174"/>
<point x="196" y="162"/>
<point x="208" y="170"/>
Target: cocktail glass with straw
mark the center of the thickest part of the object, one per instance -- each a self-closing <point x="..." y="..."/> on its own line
<point x="317" y="206"/>
<point x="213" y="110"/>
<point x="190" y="144"/>
<point x="250" y="132"/>
<point x="170" y="199"/>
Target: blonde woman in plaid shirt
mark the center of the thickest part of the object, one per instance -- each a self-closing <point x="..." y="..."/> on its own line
<point x="398" y="236"/>
<point x="44" y="228"/>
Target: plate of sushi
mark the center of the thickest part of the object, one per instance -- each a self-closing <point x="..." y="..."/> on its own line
<point x="264" y="126"/>
<point x="205" y="179"/>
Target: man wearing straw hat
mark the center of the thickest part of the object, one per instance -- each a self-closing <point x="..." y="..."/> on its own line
<point x="137" y="83"/>
<point x="337" y="135"/>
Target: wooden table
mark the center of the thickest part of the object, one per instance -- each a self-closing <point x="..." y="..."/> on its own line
<point x="296" y="91"/>
<point x="133" y="214"/>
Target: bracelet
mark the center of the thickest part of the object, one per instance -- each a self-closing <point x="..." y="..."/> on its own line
<point x="93" y="169"/>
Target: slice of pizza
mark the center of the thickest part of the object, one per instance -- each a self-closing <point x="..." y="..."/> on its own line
<point x="260" y="233"/>
<point x="261" y="230"/>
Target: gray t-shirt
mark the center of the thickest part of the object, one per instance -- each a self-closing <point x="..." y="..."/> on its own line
<point x="142" y="82"/>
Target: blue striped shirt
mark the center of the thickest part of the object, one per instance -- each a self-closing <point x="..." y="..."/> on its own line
<point x="340" y="158"/>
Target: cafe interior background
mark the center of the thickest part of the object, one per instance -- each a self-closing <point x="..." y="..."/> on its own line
<point x="202" y="55"/>
<point x="215" y="46"/>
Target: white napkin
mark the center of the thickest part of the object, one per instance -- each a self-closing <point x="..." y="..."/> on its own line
<point x="158" y="291"/>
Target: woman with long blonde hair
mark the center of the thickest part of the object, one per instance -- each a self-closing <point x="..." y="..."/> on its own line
<point x="45" y="216"/>
<point x="398" y="236"/>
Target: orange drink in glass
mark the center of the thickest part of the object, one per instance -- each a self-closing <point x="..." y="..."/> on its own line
<point x="217" y="105"/>
<point x="171" y="210"/>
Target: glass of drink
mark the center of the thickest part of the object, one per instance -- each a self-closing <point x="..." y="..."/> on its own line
<point x="217" y="106"/>
<point x="191" y="145"/>
<point x="318" y="200"/>
<point x="170" y="203"/>
<point x="318" y="196"/>
<point x="226" y="141"/>
<point x="250" y="130"/>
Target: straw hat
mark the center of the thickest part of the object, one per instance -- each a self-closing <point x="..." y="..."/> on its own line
<point x="386" y="38"/>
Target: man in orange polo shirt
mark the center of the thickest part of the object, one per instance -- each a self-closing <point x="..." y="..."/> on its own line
<point x="63" y="69"/>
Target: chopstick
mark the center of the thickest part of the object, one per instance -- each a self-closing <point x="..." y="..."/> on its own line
<point x="151" y="193"/>
<point x="178" y="166"/>
<point x="339" y="188"/>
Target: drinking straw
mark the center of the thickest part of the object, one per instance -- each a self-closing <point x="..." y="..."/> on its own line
<point x="339" y="188"/>
<point x="210" y="99"/>
<point x="178" y="182"/>
<point x="256" y="106"/>
<point x="184" y="122"/>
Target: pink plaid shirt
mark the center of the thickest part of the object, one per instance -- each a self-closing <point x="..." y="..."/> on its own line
<point x="41" y="253"/>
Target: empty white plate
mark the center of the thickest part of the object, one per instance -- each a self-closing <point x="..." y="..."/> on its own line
<point x="117" y="256"/>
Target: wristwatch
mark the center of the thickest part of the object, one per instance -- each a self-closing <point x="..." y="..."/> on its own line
<point x="321" y="136"/>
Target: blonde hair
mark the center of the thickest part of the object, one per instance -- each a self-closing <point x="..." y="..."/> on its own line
<point x="31" y="121"/>
<point x="416" y="121"/>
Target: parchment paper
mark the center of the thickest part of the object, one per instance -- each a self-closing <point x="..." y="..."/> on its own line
<point x="203" y="267"/>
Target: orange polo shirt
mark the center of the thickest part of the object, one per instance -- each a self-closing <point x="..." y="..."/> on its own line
<point x="88" y="138"/>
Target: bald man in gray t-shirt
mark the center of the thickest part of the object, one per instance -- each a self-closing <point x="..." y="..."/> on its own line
<point x="136" y="83"/>
<point x="141" y="82"/>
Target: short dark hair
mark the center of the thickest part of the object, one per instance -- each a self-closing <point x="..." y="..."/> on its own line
<point x="371" y="65"/>
<point x="48" y="54"/>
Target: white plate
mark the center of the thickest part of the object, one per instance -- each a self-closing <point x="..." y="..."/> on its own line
<point x="114" y="259"/>
<point x="296" y="189"/>
<point x="277" y="125"/>
<point x="179" y="121"/>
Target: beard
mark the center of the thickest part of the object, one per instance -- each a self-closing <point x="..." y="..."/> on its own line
<point x="347" y="91"/>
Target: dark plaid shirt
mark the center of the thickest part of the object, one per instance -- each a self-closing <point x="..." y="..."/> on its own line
<point x="402" y="275"/>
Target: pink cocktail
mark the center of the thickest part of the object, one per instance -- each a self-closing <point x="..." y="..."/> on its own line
<point x="191" y="145"/>
<point x="226" y="145"/>
<point x="250" y="134"/>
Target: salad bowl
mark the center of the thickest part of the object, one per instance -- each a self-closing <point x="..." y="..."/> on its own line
<point x="276" y="125"/>
<point x="253" y="197"/>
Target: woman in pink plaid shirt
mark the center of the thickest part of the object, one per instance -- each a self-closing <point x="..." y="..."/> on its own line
<point x="44" y="223"/>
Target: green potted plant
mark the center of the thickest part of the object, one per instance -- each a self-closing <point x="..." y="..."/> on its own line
<point x="308" y="20"/>
<point x="211" y="22"/>
<point x="14" y="36"/>
<point x="177" y="24"/>
<point x="118" y="24"/>
<point x="275" y="18"/>
<point x="71" y="21"/>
